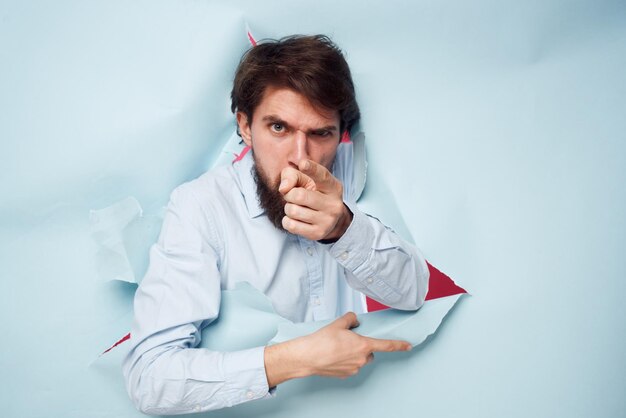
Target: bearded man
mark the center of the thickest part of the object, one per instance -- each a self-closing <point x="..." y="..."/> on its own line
<point x="281" y="218"/>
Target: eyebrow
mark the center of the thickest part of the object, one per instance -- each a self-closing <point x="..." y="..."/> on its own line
<point x="277" y="119"/>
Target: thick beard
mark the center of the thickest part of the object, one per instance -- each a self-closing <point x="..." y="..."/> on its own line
<point x="269" y="197"/>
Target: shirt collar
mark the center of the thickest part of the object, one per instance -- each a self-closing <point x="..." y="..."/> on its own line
<point x="342" y="168"/>
<point x="243" y="168"/>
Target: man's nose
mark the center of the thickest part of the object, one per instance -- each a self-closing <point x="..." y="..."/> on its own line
<point x="299" y="150"/>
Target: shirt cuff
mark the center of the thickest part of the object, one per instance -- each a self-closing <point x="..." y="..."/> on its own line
<point x="245" y="375"/>
<point x="355" y="245"/>
<point x="354" y="251"/>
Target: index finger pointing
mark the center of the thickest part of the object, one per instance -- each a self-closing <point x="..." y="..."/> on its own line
<point x="320" y="174"/>
<point x="377" y="344"/>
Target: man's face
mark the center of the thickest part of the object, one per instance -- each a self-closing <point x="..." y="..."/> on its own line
<point x="286" y="129"/>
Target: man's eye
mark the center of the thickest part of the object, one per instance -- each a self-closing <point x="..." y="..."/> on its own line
<point x="277" y="127"/>
<point x="322" y="134"/>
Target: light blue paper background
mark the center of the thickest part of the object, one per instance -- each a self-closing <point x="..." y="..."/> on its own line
<point x="498" y="126"/>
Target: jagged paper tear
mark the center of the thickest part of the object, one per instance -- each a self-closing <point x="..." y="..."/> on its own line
<point x="248" y="320"/>
<point x="246" y="317"/>
<point x="411" y="326"/>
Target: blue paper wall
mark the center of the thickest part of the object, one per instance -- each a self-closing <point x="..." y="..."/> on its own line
<point x="497" y="125"/>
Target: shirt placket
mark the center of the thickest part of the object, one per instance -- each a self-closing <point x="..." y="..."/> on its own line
<point x="316" y="281"/>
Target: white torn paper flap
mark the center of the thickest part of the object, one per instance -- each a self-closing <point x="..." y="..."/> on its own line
<point x="123" y="236"/>
<point x="411" y="326"/>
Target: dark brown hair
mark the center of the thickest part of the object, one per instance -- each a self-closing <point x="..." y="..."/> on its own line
<point x="311" y="65"/>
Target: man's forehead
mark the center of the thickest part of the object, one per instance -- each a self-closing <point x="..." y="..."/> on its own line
<point x="290" y="106"/>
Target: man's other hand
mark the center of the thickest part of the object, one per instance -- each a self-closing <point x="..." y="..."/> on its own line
<point x="334" y="351"/>
<point x="315" y="208"/>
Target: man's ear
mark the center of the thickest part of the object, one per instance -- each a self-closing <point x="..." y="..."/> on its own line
<point x="244" y="128"/>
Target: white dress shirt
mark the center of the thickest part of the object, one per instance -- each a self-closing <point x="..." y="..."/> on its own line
<point x="214" y="235"/>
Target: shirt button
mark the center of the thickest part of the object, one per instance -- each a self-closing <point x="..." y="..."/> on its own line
<point x="249" y="395"/>
<point x="344" y="255"/>
<point x="197" y="408"/>
<point x="316" y="301"/>
<point x="309" y="250"/>
<point x="370" y="280"/>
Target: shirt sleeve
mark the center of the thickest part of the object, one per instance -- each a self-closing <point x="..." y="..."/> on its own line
<point x="180" y="295"/>
<point x="381" y="264"/>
